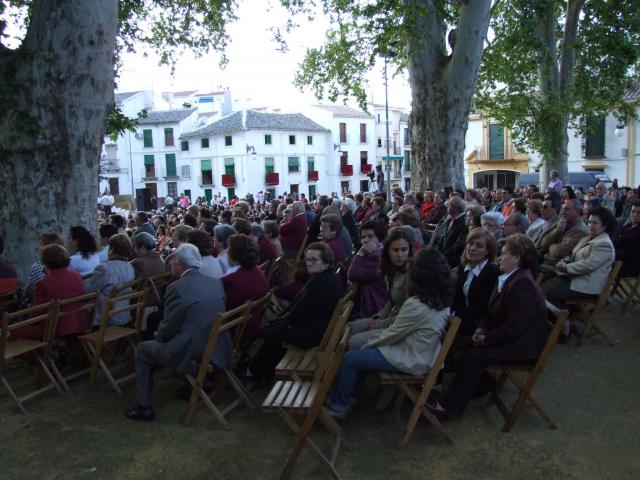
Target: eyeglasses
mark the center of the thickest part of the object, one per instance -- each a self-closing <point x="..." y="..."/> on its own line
<point x="312" y="259"/>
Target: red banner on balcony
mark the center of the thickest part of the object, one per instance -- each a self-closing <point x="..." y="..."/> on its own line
<point x="365" y="168"/>
<point x="313" y="176"/>
<point x="272" y="179"/>
<point x="228" y="180"/>
<point x="346" y="169"/>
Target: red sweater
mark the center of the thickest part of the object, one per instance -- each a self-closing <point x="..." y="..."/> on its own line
<point x="292" y="233"/>
<point x="243" y="285"/>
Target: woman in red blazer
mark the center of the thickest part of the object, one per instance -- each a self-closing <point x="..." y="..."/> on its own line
<point x="247" y="282"/>
<point x="59" y="282"/>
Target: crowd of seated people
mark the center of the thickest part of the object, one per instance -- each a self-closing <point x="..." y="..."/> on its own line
<point x="415" y="258"/>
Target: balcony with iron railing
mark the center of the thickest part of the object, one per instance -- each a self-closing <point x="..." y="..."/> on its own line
<point x="228" y="180"/>
<point x="150" y="173"/>
<point x="313" y="175"/>
<point x="272" y="178"/>
<point x="346" y="170"/>
<point x="365" y="168"/>
<point x="206" y="179"/>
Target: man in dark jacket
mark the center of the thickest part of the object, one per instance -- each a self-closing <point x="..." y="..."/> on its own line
<point x="190" y="304"/>
<point x="450" y="244"/>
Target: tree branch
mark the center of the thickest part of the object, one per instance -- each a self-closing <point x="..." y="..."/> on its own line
<point x="567" y="51"/>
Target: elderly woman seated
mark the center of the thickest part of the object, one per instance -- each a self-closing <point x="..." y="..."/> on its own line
<point x="330" y="228"/>
<point x="114" y="272"/>
<point x="221" y="234"/>
<point x="513" y="331"/>
<point x="211" y="266"/>
<point x="147" y="262"/>
<point x="493" y="221"/>
<point x="271" y="234"/>
<point x="411" y="342"/>
<point x="584" y="273"/>
<point x="267" y="250"/>
<point x="303" y="323"/>
<point x="247" y="282"/>
<point x="59" y="282"/>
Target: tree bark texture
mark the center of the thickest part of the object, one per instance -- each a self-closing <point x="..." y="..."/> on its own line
<point x="63" y="76"/>
<point x="442" y="86"/>
<point x="555" y="77"/>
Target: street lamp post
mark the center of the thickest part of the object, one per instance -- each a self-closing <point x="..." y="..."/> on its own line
<point x="386" y="110"/>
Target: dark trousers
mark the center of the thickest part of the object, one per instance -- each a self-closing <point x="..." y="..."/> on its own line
<point x="263" y="366"/>
<point x="472" y="380"/>
<point x="558" y="291"/>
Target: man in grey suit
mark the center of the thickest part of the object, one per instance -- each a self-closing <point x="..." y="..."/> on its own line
<point x="191" y="304"/>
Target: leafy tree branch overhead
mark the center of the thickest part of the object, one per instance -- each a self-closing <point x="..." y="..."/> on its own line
<point x="553" y="63"/>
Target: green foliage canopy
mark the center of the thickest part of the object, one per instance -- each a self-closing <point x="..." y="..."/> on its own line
<point x="529" y="83"/>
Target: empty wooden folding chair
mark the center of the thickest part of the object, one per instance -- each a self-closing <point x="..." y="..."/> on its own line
<point x="64" y="308"/>
<point x="302" y="364"/>
<point x="532" y="371"/>
<point x="418" y="388"/>
<point x="99" y="341"/>
<point x="292" y="398"/>
<point x="628" y="289"/>
<point x="233" y="322"/>
<point x="39" y="349"/>
<point x="589" y="308"/>
<point x="299" y="363"/>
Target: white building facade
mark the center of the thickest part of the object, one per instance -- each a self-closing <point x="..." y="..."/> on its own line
<point x="251" y="151"/>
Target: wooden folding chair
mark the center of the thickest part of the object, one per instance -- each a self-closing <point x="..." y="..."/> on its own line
<point x="95" y="343"/>
<point x="503" y="372"/>
<point x="590" y="317"/>
<point x="86" y="303"/>
<point x="233" y="322"/>
<point x="302" y="364"/>
<point x="157" y="284"/>
<point x="40" y="349"/>
<point x="628" y="289"/>
<point x="418" y="388"/>
<point x="9" y="300"/>
<point x="291" y="398"/>
<point x="264" y="266"/>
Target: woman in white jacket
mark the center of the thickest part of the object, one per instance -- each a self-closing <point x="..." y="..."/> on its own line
<point x="584" y="273"/>
<point x="411" y="343"/>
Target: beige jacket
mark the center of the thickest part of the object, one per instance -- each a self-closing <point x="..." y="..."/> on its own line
<point x="590" y="264"/>
<point x="562" y="243"/>
<point x="412" y="341"/>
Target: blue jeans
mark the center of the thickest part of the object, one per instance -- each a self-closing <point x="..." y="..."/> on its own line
<point x="350" y="377"/>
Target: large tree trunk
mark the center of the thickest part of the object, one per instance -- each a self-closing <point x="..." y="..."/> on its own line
<point x="50" y="140"/>
<point x="555" y="79"/>
<point x="442" y="87"/>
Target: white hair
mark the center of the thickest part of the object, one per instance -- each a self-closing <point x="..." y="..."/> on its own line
<point x="495" y="216"/>
<point x="188" y="255"/>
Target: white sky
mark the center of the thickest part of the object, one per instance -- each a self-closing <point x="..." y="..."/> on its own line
<point x="256" y="70"/>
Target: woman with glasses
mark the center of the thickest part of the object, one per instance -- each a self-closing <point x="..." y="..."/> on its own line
<point x="303" y="323"/>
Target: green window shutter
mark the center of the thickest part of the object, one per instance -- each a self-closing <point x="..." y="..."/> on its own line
<point x="309" y="140"/>
<point x="171" y="164"/>
<point x="205" y="165"/>
<point x="267" y="139"/>
<point x="269" y="165"/>
<point x="294" y="164"/>
<point x="147" y="136"/>
<point x="595" y="137"/>
<point x="311" y="164"/>
<point x="229" y="166"/>
<point x="407" y="161"/>
<point x="148" y="161"/>
<point x="496" y="142"/>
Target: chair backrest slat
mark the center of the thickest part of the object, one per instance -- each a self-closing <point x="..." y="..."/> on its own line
<point x="432" y="374"/>
<point x="35" y="314"/>
<point x="332" y="322"/>
<point x="604" y="295"/>
<point x="136" y="302"/>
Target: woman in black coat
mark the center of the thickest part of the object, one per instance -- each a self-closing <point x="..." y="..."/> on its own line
<point x="307" y="317"/>
<point x="477" y="277"/>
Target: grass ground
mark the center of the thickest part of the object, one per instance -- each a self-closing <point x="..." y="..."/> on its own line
<point x="592" y="393"/>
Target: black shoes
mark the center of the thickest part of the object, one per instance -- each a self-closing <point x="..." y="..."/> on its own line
<point x="144" y="414"/>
